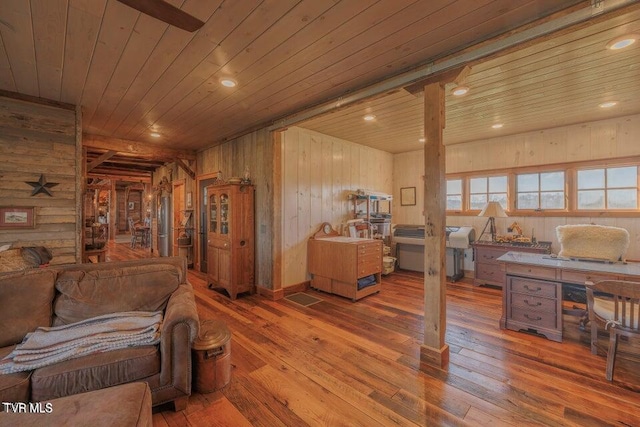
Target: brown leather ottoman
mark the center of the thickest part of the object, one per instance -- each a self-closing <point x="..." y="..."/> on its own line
<point x="123" y="405"/>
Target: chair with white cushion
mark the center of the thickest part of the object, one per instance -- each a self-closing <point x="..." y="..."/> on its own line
<point x="615" y="306"/>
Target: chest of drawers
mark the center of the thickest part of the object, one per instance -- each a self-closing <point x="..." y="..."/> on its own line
<point x="337" y="264"/>
<point x="533" y="305"/>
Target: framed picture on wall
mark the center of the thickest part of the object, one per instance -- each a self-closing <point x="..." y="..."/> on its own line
<point x="17" y="217"/>
<point x="132" y="205"/>
<point x="408" y="196"/>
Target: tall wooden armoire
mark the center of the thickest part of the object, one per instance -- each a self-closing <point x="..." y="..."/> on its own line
<point x="231" y="238"/>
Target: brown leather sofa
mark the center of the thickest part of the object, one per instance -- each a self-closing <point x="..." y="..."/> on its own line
<point x="67" y="294"/>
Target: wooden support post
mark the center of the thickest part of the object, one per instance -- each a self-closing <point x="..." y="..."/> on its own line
<point x="434" y="351"/>
<point x="81" y="185"/>
<point x="113" y="209"/>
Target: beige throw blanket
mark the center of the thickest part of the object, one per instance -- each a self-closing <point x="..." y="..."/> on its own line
<point x="48" y="345"/>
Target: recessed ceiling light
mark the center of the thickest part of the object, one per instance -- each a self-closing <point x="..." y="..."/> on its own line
<point x="608" y="104"/>
<point x="422" y="140"/>
<point x="228" y="82"/>
<point x="497" y="126"/>
<point x="622" y="41"/>
<point x="369" y="117"/>
<point x="460" y="90"/>
<point x="155" y="134"/>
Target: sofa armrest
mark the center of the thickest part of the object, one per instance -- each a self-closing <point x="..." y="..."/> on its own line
<point x="179" y="329"/>
<point x="181" y="308"/>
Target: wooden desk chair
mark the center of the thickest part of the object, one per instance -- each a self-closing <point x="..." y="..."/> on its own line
<point x="137" y="234"/>
<point x="613" y="305"/>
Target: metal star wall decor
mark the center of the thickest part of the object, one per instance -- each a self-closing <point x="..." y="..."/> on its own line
<point x="41" y="186"/>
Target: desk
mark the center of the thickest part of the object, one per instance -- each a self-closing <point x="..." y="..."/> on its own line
<point x="485" y="254"/>
<point x="532" y="288"/>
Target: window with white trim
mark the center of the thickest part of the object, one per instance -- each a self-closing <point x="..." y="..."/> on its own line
<point x="537" y="191"/>
<point x="487" y="189"/>
<point x="607" y="188"/>
<point x="454" y="194"/>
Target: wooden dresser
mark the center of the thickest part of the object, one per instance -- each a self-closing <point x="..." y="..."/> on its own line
<point x="338" y="264"/>
<point x="487" y="268"/>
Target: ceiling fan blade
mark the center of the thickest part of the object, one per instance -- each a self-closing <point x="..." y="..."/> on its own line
<point x="166" y="12"/>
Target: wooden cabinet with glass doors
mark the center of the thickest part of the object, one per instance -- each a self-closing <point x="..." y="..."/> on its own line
<point x="230" y="238"/>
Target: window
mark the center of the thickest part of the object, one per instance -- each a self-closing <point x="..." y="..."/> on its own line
<point x="540" y="190"/>
<point x="487" y="189"/>
<point x="454" y="194"/>
<point x="577" y="189"/>
<point x="608" y="188"/>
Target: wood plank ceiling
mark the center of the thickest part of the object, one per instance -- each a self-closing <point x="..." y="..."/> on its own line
<point x="134" y="75"/>
<point x="556" y="82"/>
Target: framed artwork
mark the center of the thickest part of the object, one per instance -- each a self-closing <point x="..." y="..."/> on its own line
<point x="132" y="205"/>
<point x="408" y="196"/>
<point x="17" y="217"/>
<point x="189" y="200"/>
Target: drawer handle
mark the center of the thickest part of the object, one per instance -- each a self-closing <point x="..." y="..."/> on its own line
<point x="532" y="290"/>
<point x="537" y="304"/>
<point x="533" y="318"/>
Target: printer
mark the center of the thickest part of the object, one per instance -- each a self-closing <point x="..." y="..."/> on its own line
<point x="409" y="240"/>
<point x="460" y="237"/>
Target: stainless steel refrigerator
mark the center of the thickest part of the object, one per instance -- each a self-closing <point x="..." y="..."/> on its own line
<point x="164" y="225"/>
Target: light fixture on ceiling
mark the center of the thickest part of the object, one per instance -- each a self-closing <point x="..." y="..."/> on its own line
<point x="460" y="90"/>
<point x="497" y="126"/>
<point x="369" y="117"/>
<point x="155" y="134"/>
<point x="622" y="41"/>
<point x="227" y="82"/>
<point x="608" y="104"/>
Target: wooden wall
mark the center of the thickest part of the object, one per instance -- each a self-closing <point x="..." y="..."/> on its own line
<point x="255" y="151"/>
<point x="38" y="139"/>
<point x="616" y="138"/>
<point x="318" y="172"/>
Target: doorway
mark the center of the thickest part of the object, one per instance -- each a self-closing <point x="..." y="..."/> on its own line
<point x="178" y="196"/>
<point x="202" y="224"/>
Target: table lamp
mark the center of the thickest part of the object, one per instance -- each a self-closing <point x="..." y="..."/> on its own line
<point x="491" y="210"/>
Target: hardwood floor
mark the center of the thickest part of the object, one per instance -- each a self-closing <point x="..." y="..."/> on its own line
<point x="343" y="363"/>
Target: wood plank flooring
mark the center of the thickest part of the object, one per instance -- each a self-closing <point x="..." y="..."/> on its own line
<point x="343" y="363"/>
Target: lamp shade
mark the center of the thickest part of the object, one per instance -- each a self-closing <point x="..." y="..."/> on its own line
<point x="493" y="210"/>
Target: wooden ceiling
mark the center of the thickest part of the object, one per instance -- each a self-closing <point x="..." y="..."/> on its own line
<point x="555" y="82"/>
<point x="133" y="74"/>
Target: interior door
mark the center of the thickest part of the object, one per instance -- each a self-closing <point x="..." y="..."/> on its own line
<point x="202" y="233"/>
<point x="178" y="209"/>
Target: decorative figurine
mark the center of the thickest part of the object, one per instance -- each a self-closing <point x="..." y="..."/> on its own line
<point x="246" y="177"/>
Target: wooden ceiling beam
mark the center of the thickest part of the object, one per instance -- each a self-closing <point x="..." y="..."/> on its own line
<point x="123" y="177"/>
<point x="456" y="75"/>
<point x="131" y="164"/>
<point x="100" y="159"/>
<point x="135" y="147"/>
<point x="186" y="168"/>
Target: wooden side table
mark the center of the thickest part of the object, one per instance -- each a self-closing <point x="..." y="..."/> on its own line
<point x="99" y="254"/>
